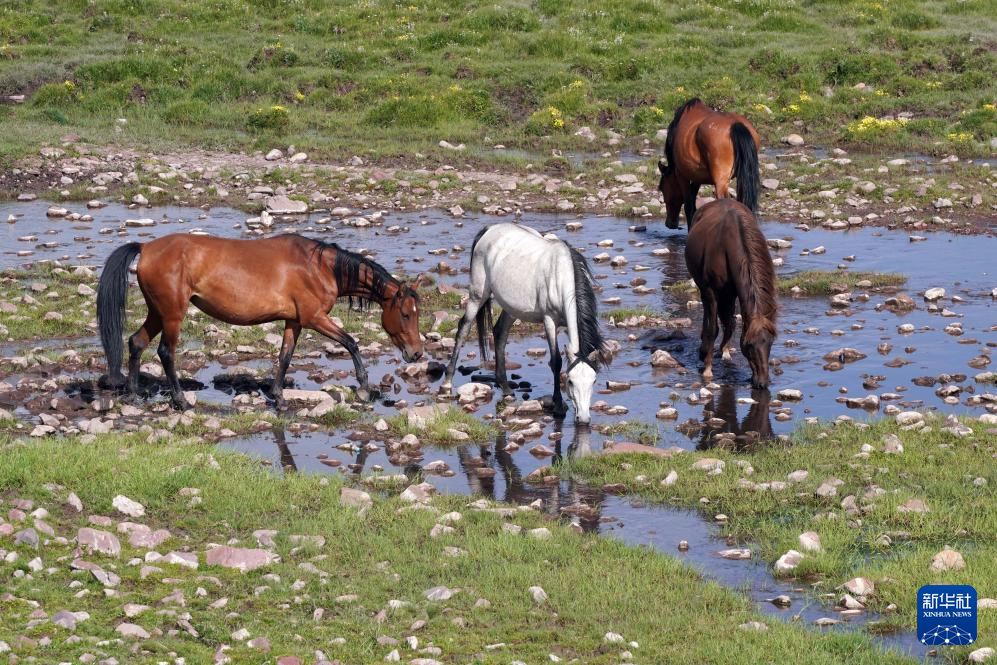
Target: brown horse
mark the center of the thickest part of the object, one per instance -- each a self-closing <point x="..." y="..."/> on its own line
<point x="729" y="260"/>
<point x="287" y="278"/>
<point x="707" y="147"/>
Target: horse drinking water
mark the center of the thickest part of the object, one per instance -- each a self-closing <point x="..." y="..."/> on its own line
<point x="729" y="260"/>
<point x="286" y="278"/>
<point x="707" y="147"/>
<point x="539" y="280"/>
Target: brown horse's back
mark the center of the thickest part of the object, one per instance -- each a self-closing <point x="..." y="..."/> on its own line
<point x="729" y="260"/>
<point x="702" y="147"/>
<point x="242" y="282"/>
<point x="726" y="250"/>
<point x="707" y="147"/>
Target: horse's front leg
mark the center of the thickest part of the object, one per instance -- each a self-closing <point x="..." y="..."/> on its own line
<point x="550" y="328"/>
<point x="690" y="204"/>
<point x="291" y="331"/>
<point x="324" y="325"/>
<point x="470" y="312"/>
<point x="501" y="332"/>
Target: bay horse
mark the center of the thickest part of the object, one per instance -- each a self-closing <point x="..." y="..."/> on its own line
<point x="540" y="280"/>
<point x="729" y="260"/>
<point x="286" y="278"/>
<point x="707" y="147"/>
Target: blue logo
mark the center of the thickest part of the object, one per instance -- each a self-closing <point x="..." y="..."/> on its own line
<point x="946" y="614"/>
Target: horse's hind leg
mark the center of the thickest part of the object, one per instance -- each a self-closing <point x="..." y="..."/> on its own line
<point x="709" y="332"/>
<point x="720" y="173"/>
<point x="291" y="331"/>
<point x="501" y="332"/>
<point x="727" y="321"/>
<point x="137" y="343"/>
<point x="167" y="354"/>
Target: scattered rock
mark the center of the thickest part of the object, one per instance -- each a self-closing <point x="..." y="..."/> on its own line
<point x="788" y="561"/>
<point x="947" y="559"/>
<point x="242" y="559"/>
<point x="128" y="507"/>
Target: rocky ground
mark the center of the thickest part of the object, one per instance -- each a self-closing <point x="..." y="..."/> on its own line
<point x="805" y="184"/>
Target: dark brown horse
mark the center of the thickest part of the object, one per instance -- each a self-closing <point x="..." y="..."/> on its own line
<point x="287" y="278"/>
<point x="707" y="147"/>
<point x="729" y="260"/>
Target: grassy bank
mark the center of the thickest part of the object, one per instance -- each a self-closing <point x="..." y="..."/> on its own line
<point x="388" y="79"/>
<point x="819" y="282"/>
<point x="865" y="526"/>
<point x="353" y="595"/>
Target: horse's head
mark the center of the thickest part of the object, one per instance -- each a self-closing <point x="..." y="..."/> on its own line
<point x="580" y="382"/>
<point x="400" y="319"/>
<point x="756" y="344"/>
<point x="672" y="193"/>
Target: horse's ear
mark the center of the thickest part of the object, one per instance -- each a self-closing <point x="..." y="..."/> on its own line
<point x="418" y="282"/>
<point x="569" y="354"/>
<point x="662" y="165"/>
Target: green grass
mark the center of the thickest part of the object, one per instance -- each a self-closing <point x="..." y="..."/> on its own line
<point x="594" y="585"/>
<point x="338" y="417"/>
<point x="634" y="431"/>
<point x="824" y="283"/>
<point x="621" y="313"/>
<point x="438" y="428"/>
<point x="818" y="282"/>
<point x="935" y="467"/>
<point x="390" y="79"/>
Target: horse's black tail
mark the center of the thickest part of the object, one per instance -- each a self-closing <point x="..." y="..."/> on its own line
<point x="111" y="299"/>
<point x="483" y="320"/>
<point x="745" y="165"/>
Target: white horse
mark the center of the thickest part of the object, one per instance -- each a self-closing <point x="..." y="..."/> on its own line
<point x="539" y="280"/>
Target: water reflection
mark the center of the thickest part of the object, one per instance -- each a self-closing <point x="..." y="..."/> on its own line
<point x="720" y="424"/>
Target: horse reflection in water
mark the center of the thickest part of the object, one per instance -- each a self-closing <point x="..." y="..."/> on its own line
<point x="286" y="456"/>
<point x="564" y="497"/>
<point x="583" y="502"/>
<point x="755" y="428"/>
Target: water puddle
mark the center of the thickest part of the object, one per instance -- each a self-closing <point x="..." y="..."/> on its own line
<point x="810" y="329"/>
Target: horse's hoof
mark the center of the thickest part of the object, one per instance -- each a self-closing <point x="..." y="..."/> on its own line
<point x="367" y="393"/>
<point x="708" y="374"/>
<point x="112" y="382"/>
<point x="726" y="354"/>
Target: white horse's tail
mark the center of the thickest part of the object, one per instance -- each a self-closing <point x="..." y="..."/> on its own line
<point x="483" y="320"/>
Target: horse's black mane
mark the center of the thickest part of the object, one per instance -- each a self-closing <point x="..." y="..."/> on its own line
<point x="670" y="139"/>
<point x="589" y="334"/>
<point x="347" y="269"/>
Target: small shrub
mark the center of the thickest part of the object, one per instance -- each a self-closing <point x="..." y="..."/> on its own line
<point x="275" y="118"/>
<point x="911" y="20"/>
<point x="56" y="95"/>
<point x="188" y="112"/>
<point x="273" y="55"/>
<point x="648" y="119"/>
<point x="347" y="59"/>
<point x="548" y="120"/>
<point x="869" y="127"/>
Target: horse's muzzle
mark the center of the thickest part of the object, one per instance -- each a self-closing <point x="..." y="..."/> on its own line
<point x="411" y="357"/>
